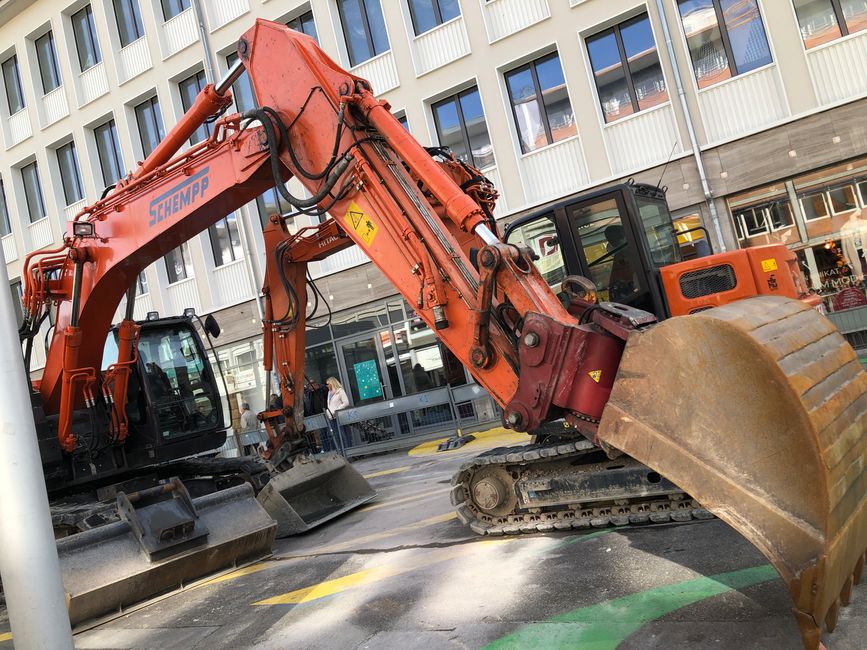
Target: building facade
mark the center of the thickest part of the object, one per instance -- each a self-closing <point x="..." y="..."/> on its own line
<point x="750" y="112"/>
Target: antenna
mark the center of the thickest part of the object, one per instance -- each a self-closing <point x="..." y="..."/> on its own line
<point x="664" y="169"/>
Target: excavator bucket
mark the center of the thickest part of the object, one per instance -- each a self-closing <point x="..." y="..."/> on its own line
<point x="159" y="547"/>
<point x="314" y="490"/>
<point x="758" y="409"/>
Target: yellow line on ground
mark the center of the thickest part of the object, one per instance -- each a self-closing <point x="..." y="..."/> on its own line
<point x="375" y="574"/>
<point x="397" y="502"/>
<point x="5" y="636"/>
<point x="247" y="570"/>
<point x="496" y="437"/>
<point x="386" y="472"/>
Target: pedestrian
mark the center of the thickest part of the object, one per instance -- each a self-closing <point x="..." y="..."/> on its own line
<point x="337" y="400"/>
<point x="248" y="419"/>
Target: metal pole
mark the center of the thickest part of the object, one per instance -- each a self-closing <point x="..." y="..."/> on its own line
<point x="35" y="597"/>
<point x="690" y="127"/>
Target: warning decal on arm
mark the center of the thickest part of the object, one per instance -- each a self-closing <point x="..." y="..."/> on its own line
<point x="595" y="375"/>
<point x="361" y="223"/>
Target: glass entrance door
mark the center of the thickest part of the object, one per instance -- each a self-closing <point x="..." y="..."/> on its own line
<point x="364" y="362"/>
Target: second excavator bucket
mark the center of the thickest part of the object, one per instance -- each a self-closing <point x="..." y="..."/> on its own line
<point x="758" y="409"/>
<point x="314" y="490"/>
<point x="157" y="548"/>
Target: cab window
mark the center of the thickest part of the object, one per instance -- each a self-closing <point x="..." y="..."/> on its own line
<point x="658" y="231"/>
<point x="602" y="236"/>
<point x="540" y="235"/>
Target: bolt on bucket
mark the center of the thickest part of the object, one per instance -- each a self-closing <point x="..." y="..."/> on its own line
<point x="758" y="410"/>
<point x="109" y="568"/>
<point x="314" y="490"/>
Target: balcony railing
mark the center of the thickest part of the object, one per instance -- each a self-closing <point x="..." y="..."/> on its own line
<point x="92" y="83"/>
<point x="10" y="250"/>
<point x="439" y="46"/>
<point x="181" y="295"/>
<point x="73" y="209"/>
<point x="19" y="127"/>
<point x="40" y="233"/>
<point x="134" y="59"/>
<point x="642" y="140"/>
<point x="179" y="32"/>
<point x="743" y="104"/>
<point x="571" y="174"/>
<point x="506" y="17"/>
<point x="54" y="106"/>
<point x="838" y="69"/>
<point x="231" y="284"/>
<point x="222" y="12"/>
<point x="380" y="71"/>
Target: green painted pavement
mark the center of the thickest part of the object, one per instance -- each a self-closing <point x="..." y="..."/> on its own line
<point x="605" y="625"/>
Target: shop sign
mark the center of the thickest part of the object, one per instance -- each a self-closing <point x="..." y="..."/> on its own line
<point x="239" y="380"/>
<point x="849" y="299"/>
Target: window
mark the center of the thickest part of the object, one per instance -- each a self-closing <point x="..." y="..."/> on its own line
<point x="626" y="68"/>
<point x="427" y="14"/>
<point x="85" y="38"/>
<point x="172" y="8"/>
<point x="540" y="236"/>
<point x="460" y="124"/>
<point x="141" y="284"/>
<point x="5" y="225"/>
<point x="242" y="89"/>
<point x="128" y="17"/>
<point x="150" y="124"/>
<point x="225" y="240"/>
<point x="540" y="103"/>
<point x="363" y="28"/>
<point x="12" y="83"/>
<point x="46" y="57"/>
<point x="190" y="89"/>
<point x="108" y="150"/>
<point x="862" y="190"/>
<point x="304" y="24"/>
<point x="842" y="199"/>
<point x="178" y="264"/>
<point x="70" y="177"/>
<point x="814" y="206"/>
<point x="403" y="121"/>
<point x="271" y="202"/>
<point x="725" y="38"/>
<point x="33" y="192"/>
<point x="822" y="21"/>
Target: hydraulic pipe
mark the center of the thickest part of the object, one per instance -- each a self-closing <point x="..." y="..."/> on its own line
<point x="208" y="102"/>
<point x="35" y="597"/>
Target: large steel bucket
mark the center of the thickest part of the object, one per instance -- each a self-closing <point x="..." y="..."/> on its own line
<point x="107" y="569"/>
<point x="314" y="490"/>
<point x="758" y="410"/>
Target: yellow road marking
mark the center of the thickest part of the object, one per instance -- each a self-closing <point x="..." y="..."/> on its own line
<point x="375" y="574"/>
<point x="386" y="472"/>
<point x="483" y="439"/>
<point x="247" y="570"/>
<point x="397" y="502"/>
<point x="5" y="636"/>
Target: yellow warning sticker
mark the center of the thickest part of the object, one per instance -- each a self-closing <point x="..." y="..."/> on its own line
<point x="769" y="265"/>
<point x="595" y="375"/>
<point x="361" y="223"/>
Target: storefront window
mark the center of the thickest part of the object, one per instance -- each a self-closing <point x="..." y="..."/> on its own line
<point x="831" y="198"/>
<point x="764" y="216"/>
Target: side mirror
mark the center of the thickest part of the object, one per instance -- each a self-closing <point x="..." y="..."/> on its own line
<point x="211" y="326"/>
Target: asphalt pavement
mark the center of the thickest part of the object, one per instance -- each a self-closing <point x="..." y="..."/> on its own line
<point x="402" y="572"/>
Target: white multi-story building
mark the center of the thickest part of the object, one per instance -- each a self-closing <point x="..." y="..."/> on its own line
<point x="758" y="106"/>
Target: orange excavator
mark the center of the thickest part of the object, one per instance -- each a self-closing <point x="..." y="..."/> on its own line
<point x="754" y="411"/>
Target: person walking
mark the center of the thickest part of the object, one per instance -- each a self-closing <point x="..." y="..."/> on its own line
<point x="248" y="419"/>
<point x="337" y="400"/>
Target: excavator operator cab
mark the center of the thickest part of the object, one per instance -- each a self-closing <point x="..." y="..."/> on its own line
<point x="618" y="237"/>
<point x="174" y="404"/>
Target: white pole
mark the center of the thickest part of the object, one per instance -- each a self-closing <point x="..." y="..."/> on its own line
<point x="29" y="567"/>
